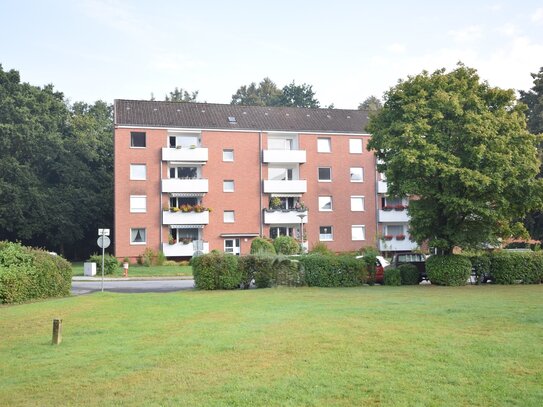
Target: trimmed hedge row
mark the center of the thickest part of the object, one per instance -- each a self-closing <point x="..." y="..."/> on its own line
<point x="503" y="267"/>
<point x="450" y="270"/>
<point x="27" y="273"/>
<point x="333" y="271"/>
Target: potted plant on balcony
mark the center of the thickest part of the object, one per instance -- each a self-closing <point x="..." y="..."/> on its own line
<point x="185" y="208"/>
<point x="174" y="209"/>
<point x="387" y="237"/>
<point x="300" y="206"/>
<point x="275" y="203"/>
<point x="387" y="207"/>
<point x="399" y="207"/>
<point x="185" y="240"/>
<point x="171" y="240"/>
<point x="400" y="237"/>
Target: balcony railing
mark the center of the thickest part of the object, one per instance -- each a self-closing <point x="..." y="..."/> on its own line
<point x="184" y="250"/>
<point x="285" y="187"/>
<point x="185" y="185"/>
<point x="284" y="217"/>
<point x="197" y="154"/>
<point x="393" y="216"/>
<point x="395" y="245"/>
<point x="284" y="156"/>
<point x="185" y="218"/>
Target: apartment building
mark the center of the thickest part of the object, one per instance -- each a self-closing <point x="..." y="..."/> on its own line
<point x="194" y="177"/>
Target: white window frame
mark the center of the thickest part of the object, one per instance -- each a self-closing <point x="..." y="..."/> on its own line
<point x="228" y="155"/>
<point x="319" y="176"/>
<point x="355" y="146"/>
<point x="138" y="203"/>
<point x="132" y="231"/>
<point x="358" y="236"/>
<point x="228" y="185"/>
<point x="229" y="216"/>
<point x="328" y="236"/>
<point x="133" y="175"/>
<point x="323" y="200"/>
<point x="324" y="145"/>
<point x="351" y="174"/>
<point x="362" y="199"/>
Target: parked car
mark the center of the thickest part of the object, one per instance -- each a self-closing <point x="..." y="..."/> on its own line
<point x="417" y="259"/>
<point x="380" y="264"/>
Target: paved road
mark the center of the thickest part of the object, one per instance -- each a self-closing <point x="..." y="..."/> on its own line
<point x="132" y="286"/>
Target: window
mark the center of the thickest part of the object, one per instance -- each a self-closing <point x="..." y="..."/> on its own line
<point x="138" y="172"/>
<point x="184" y="172"/>
<point x="358" y="232"/>
<point x="324" y="145"/>
<point x="355" y="146"/>
<point x="357" y="174"/>
<point x="184" y="141"/>
<point x="138" y="236"/>
<point x="280" y="174"/>
<point x="394" y="230"/>
<point x="232" y="246"/>
<point x="325" y="203"/>
<point x="228" y="186"/>
<point x="228" y="217"/>
<point x="326" y="233"/>
<point x="357" y="203"/>
<point x="138" y="203"/>
<point x="277" y="231"/>
<point x="227" y="155"/>
<point x="325" y="174"/>
<point x="279" y="143"/>
<point x="137" y="139"/>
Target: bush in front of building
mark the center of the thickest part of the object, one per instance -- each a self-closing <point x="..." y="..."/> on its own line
<point x="409" y="274"/>
<point x="392" y="276"/>
<point x="27" y="273"/>
<point x="216" y="271"/>
<point x="480" y="266"/>
<point x="262" y="245"/>
<point x="449" y="270"/>
<point x="513" y="268"/>
<point x="110" y="263"/>
<point x="255" y="267"/>
<point x="333" y="271"/>
<point x="286" y="245"/>
<point x="320" y="248"/>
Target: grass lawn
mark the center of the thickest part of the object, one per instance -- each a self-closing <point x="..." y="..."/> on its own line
<point x="405" y="346"/>
<point x="139" y="271"/>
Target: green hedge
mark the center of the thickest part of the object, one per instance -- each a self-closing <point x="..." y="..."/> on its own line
<point x="261" y="245"/>
<point x="480" y="265"/>
<point x="257" y="267"/>
<point x="392" y="276"/>
<point x="409" y="274"/>
<point x="512" y="268"/>
<point x="286" y="245"/>
<point x="333" y="271"/>
<point x="110" y="263"/>
<point x="27" y="273"/>
<point x="216" y="271"/>
<point x="450" y="270"/>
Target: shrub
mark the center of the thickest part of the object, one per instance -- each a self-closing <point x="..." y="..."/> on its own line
<point x="369" y="261"/>
<point x="27" y="273"/>
<point x="392" y="276"/>
<point x="216" y="271"/>
<point x="270" y="271"/>
<point x="450" y="270"/>
<point x="160" y="258"/>
<point x="333" y="271"/>
<point x="110" y="263"/>
<point x="320" y="248"/>
<point x="511" y="268"/>
<point x="262" y="245"/>
<point x="148" y="257"/>
<point x="286" y="245"/>
<point x="480" y="265"/>
<point x="409" y="274"/>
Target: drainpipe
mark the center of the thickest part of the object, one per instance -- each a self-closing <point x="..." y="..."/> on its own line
<point x="260" y="158"/>
<point x="376" y="203"/>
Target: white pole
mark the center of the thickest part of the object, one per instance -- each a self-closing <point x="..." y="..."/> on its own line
<point x="103" y="251"/>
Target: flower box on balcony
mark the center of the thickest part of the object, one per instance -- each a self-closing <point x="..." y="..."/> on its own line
<point x="400" y="237"/>
<point x="387" y="237"/>
<point x="387" y="208"/>
<point x="399" y="207"/>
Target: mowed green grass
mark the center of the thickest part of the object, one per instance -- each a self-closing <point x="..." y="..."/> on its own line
<point x="404" y="346"/>
<point x="136" y="270"/>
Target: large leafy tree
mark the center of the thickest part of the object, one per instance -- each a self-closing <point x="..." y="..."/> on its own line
<point x="371" y="103"/>
<point x="298" y="96"/>
<point x="461" y="148"/>
<point x="181" y="95"/>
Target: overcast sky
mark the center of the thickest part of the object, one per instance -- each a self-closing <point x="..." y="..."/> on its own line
<point x="348" y="50"/>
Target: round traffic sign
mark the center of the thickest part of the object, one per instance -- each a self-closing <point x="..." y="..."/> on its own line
<point x="103" y="242"/>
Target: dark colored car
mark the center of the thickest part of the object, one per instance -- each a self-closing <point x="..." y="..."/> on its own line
<point x="417" y="259"/>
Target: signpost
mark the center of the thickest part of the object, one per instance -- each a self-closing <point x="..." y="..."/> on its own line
<point x="103" y="242"/>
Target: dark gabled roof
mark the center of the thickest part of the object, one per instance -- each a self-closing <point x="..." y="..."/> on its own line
<point x="146" y="113"/>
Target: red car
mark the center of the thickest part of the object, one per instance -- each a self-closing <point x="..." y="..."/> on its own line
<point x="380" y="264"/>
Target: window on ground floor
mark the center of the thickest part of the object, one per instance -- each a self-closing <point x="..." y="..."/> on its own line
<point x="138" y="236"/>
<point x="326" y="233"/>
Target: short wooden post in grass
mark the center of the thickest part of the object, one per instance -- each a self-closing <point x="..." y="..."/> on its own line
<point x="57" y="331"/>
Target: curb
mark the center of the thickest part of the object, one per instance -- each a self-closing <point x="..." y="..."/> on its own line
<point x="98" y="279"/>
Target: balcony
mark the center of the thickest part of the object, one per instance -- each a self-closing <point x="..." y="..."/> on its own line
<point x="183" y="250"/>
<point x="284" y="156"/>
<point x="185" y="154"/>
<point x="382" y="187"/>
<point x="185" y="218"/>
<point x="284" y="217"/>
<point x="185" y="185"/>
<point x="393" y="216"/>
<point x="397" y="245"/>
<point x="285" y="187"/>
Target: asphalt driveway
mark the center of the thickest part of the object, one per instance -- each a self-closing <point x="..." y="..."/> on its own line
<point x="81" y="286"/>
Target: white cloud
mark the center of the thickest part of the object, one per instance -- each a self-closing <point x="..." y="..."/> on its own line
<point x="396" y="48"/>
<point x="467" y="34"/>
<point x="509" y="30"/>
<point x="537" y="17"/>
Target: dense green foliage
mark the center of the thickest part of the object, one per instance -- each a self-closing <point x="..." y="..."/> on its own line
<point x="216" y="271"/>
<point x="462" y="148"/>
<point x="321" y="248"/>
<point x="256" y="267"/>
<point x="392" y="276"/>
<point x="262" y="245"/>
<point x="409" y="274"/>
<point x="450" y="270"/>
<point x="333" y="271"/>
<point x="480" y="265"/>
<point x="56" y="168"/>
<point x="512" y="268"/>
<point x="286" y="245"/>
<point x="266" y="93"/>
<point x="111" y="264"/>
<point x="27" y="273"/>
<point x="371" y="104"/>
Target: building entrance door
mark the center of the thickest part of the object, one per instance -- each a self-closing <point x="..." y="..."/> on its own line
<point x="232" y="246"/>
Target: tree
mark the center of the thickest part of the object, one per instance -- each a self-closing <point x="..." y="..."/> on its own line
<point x="461" y="148"/>
<point x="298" y="96"/>
<point x="181" y="95"/>
<point x="265" y="94"/>
<point x="372" y="104"/>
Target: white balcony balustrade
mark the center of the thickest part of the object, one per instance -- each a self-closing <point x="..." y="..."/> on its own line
<point x="284" y="217"/>
<point x="285" y="187"/>
<point x="185" y="185"/>
<point x="185" y="218"/>
<point x="183" y="250"/>
<point x="185" y="154"/>
<point x="393" y="216"/>
<point x="284" y="156"/>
